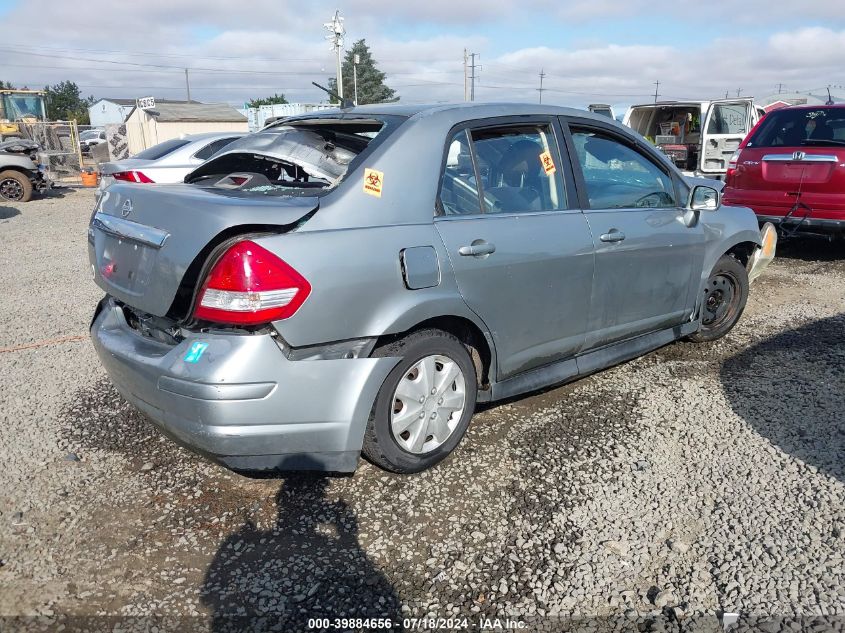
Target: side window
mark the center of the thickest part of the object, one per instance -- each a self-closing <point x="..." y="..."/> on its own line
<point x="458" y="189"/>
<point x="729" y="118"/>
<point x="518" y="170"/>
<point x="618" y="176"/>
<point x="212" y="148"/>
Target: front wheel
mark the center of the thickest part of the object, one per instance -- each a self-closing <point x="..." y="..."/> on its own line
<point x="15" y="186"/>
<point x="423" y="409"/>
<point x="725" y="295"/>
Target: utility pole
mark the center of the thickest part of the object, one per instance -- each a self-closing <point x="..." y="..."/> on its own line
<point x="466" y="84"/>
<point x="656" y="88"/>
<point x="540" y="89"/>
<point x="335" y="36"/>
<point x="780" y="88"/>
<point x="356" y="59"/>
<point x="187" y="84"/>
<point x="738" y="91"/>
<point x="473" y="66"/>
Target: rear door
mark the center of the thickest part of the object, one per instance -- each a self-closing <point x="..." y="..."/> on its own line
<point x="725" y="126"/>
<point x="520" y="248"/>
<point x="649" y="248"/>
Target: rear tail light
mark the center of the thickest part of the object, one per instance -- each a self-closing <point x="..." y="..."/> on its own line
<point x="731" y="173"/>
<point x="132" y="176"/>
<point x="249" y="285"/>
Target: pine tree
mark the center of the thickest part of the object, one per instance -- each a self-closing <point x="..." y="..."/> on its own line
<point x="371" y="86"/>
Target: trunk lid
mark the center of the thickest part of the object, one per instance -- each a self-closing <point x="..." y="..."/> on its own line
<point x="147" y="241"/>
<point x="126" y="164"/>
<point x="791" y="169"/>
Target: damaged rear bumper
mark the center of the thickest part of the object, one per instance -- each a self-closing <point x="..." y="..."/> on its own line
<point x="237" y="399"/>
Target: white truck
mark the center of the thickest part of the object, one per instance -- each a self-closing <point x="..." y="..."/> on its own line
<point x="698" y="136"/>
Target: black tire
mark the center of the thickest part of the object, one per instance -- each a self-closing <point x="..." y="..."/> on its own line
<point x="725" y="295"/>
<point x="380" y="446"/>
<point x="15" y="186"/>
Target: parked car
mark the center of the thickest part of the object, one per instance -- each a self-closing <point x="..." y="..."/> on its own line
<point x="169" y="161"/>
<point x="21" y="173"/>
<point x="90" y="138"/>
<point x="791" y="170"/>
<point x="357" y="281"/>
<point x="698" y="136"/>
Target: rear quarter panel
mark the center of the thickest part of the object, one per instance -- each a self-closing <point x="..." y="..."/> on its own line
<point x="357" y="286"/>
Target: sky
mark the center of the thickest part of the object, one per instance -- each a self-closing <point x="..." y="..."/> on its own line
<point x="608" y="51"/>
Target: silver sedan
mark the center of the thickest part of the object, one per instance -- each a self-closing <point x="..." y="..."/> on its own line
<point x="353" y="282"/>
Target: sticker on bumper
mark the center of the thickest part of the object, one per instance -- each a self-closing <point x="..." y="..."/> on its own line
<point x="195" y="352"/>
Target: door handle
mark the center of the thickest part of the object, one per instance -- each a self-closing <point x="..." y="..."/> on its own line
<point x="478" y="248"/>
<point x="612" y="236"/>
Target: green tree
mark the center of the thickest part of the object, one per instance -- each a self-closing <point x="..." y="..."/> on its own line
<point x="6" y="85"/>
<point x="65" y="102"/>
<point x="276" y="98"/>
<point x="371" y="86"/>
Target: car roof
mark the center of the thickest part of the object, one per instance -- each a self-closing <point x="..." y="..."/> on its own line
<point x="807" y="106"/>
<point x="464" y="110"/>
<point x="204" y="136"/>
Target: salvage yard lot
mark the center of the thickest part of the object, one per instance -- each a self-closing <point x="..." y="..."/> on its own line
<point x="697" y="479"/>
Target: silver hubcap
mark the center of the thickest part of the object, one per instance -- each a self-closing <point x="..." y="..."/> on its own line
<point x="428" y="404"/>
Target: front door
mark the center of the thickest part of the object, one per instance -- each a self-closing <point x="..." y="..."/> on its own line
<point x="522" y="257"/>
<point x="649" y="247"/>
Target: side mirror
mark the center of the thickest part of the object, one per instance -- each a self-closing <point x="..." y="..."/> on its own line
<point x="704" y="198"/>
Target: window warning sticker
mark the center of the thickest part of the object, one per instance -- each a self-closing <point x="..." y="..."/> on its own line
<point x="547" y="163"/>
<point x="373" y="181"/>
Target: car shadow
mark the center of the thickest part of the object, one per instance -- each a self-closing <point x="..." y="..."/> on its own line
<point x="308" y="564"/>
<point x="791" y="389"/>
<point x="8" y="212"/>
<point x="811" y="249"/>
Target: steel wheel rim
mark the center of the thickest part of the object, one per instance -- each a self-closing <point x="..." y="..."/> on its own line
<point x="11" y="189"/>
<point x="720" y="296"/>
<point x="427" y="404"/>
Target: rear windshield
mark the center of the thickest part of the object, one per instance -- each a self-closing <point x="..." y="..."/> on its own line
<point x="162" y="149"/>
<point x="298" y="157"/>
<point x="804" y="127"/>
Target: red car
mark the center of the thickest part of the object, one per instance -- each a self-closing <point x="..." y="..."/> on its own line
<point x="790" y="170"/>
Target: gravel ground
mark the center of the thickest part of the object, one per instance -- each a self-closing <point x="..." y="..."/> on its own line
<point x="695" y="481"/>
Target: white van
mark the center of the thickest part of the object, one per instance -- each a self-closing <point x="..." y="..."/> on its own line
<point x="698" y="136"/>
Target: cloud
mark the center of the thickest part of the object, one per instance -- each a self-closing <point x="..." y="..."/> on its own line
<point x="273" y="46"/>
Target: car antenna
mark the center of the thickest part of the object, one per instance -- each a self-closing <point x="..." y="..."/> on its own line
<point x="344" y="103"/>
<point x="829" y="98"/>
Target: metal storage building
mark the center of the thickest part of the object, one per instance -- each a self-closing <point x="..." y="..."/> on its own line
<point x="145" y="128"/>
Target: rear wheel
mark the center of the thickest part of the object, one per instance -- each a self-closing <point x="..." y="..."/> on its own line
<point x="725" y="295"/>
<point x="423" y="409"/>
<point x="15" y="186"/>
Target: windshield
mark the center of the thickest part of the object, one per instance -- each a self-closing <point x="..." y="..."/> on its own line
<point x="309" y="155"/>
<point x="802" y="127"/>
<point x="162" y="149"/>
<point x="22" y="106"/>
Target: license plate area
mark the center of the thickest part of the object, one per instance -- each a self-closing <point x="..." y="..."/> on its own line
<point x="125" y="264"/>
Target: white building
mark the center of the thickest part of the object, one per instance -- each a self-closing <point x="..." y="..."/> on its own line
<point x="167" y="120"/>
<point x="104" y="111"/>
<point x="261" y="116"/>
